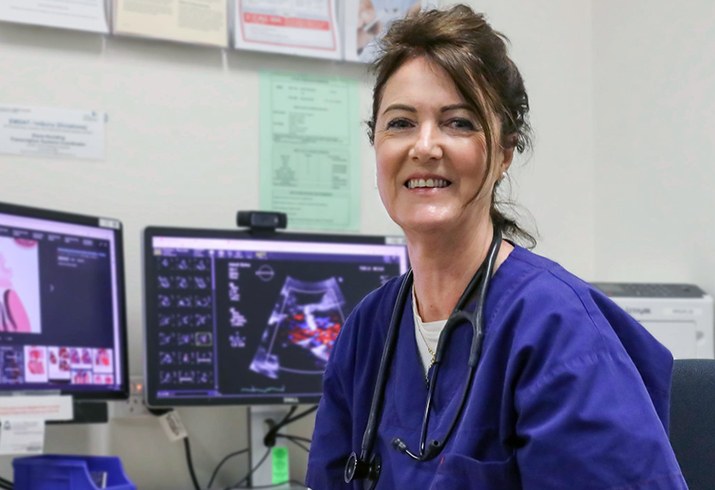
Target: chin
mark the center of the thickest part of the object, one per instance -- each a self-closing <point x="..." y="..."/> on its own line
<point x="426" y="224"/>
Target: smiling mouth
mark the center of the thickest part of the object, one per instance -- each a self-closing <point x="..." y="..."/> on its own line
<point x="427" y="183"/>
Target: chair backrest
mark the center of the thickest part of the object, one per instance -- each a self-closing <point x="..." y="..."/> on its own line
<point x="692" y="420"/>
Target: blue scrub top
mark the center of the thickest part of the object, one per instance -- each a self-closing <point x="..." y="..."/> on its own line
<point x="570" y="392"/>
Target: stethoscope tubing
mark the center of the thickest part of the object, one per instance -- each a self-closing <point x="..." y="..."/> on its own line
<point x="480" y="282"/>
<point x="368" y="438"/>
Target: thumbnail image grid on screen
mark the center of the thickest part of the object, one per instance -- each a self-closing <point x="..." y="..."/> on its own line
<point x="60" y="326"/>
<point x="252" y="321"/>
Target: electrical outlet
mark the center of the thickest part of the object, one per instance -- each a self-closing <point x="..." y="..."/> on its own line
<point x="135" y="405"/>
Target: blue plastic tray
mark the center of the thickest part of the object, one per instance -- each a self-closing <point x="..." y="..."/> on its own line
<point x="63" y="472"/>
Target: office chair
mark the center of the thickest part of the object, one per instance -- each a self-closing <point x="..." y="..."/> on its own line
<point x="692" y="421"/>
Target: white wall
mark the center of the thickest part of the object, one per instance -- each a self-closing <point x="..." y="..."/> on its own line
<point x="654" y="145"/>
<point x="552" y="44"/>
<point x="182" y="150"/>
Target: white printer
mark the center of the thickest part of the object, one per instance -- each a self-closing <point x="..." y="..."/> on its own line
<point x="680" y="316"/>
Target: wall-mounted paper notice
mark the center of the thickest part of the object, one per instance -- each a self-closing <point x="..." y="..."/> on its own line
<point x="189" y="21"/>
<point x="366" y="20"/>
<point x="45" y="407"/>
<point x="310" y="150"/>
<point x="85" y="15"/>
<point x="49" y="132"/>
<point x="20" y="436"/>
<point x="305" y="28"/>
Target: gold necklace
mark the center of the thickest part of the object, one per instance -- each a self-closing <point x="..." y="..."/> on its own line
<point x="431" y="363"/>
<point x="419" y="329"/>
<point x="428" y="348"/>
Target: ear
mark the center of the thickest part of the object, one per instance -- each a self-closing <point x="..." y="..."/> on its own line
<point x="507" y="155"/>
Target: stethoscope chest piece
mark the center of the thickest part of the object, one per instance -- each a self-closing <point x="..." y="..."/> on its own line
<point x="359" y="470"/>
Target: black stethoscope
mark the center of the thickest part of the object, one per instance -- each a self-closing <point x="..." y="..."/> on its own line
<point x="368" y="465"/>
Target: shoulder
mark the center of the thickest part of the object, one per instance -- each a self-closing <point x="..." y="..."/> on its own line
<point x="543" y="288"/>
<point x="561" y="321"/>
<point x="539" y="287"/>
<point x="547" y="309"/>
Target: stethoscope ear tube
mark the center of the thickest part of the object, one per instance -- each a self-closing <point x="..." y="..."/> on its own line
<point x="368" y="438"/>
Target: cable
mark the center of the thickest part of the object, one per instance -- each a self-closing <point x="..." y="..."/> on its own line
<point x="218" y="467"/>
<point x="270" y="439"/>
<point x="294" y="441"/>
<point x="301" y="415"/>
<point x="5" y="483"/>
<point x="158" y="412"/>
<point x="190" y="463"/>
<point x="251" y="472"/>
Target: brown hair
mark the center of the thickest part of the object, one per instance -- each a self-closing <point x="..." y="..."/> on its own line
<point x="475" y="57"/>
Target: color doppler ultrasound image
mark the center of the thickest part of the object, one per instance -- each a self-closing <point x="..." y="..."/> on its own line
<point x="302" y="328"/>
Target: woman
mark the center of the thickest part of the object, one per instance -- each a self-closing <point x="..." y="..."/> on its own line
<point x="569" y="392"/>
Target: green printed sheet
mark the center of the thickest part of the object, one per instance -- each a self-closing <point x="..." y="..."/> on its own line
<point x="310" y="150"/>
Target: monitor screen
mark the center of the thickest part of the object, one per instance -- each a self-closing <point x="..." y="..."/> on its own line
<point x="62" y="310"/>
<point x="236" y="319"/>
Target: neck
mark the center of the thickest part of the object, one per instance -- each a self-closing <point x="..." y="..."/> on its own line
<point x="443" y="266"/>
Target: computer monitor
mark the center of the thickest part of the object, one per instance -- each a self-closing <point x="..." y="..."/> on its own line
<point x="62" y="306"/>
<point x="233" y="318"/>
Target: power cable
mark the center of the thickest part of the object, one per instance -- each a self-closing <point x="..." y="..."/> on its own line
<point x="251" y="472"/>
<point x="294" y="440"/>
<point x="218" y="467"/>
<point x="190" y="464"/>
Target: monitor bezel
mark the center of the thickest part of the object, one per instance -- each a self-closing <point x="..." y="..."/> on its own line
<point x="240" y="234"/>
<point x="93" y="221"/>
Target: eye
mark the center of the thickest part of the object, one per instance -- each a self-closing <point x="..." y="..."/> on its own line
<point x="399" y="123"/>
<point x="461" y="123"/>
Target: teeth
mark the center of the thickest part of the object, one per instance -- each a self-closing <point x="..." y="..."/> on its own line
<point x="429" y="183"/>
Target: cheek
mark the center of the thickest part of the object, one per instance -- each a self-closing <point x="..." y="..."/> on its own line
<point x="383" y="162"/>
<point x="383" y="180"/>
<point x="473" y="160"/>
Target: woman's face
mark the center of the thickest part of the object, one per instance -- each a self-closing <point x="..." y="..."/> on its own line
<point x="431" y="153"/>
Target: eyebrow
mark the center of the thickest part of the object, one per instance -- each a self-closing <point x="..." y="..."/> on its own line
<point x="454" y="107"/>
<point x="447" y="108"/>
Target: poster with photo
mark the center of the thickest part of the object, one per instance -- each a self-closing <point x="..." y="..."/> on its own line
<point x="36" y="364"/>
<point x="19" y="286"/>
<point x="364" y="21"/>
<point x="304" y="28"/>
<point x="58" y="360"/>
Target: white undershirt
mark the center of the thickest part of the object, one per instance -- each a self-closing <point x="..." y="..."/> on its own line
<point x="426" y="332"/>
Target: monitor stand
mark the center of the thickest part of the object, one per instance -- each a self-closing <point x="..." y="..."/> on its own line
<point x="260" y="420"/>
<point x="86" y="412"/>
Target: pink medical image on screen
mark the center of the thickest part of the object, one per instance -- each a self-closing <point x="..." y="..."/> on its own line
<point x="36" y="364"/>
<point x="19" y="286"/>
<point x="103" y="361"/>
<point x="81" y="377"/>
<point x="59" y="363"/>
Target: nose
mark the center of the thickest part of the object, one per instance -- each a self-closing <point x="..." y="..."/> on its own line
<point x="428" y="145"/>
